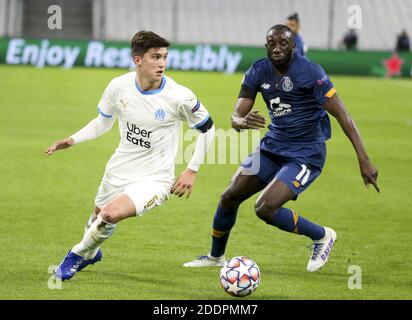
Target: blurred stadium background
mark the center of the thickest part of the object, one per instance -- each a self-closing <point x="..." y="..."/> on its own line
<point x="230" y="23"/>
<point x="234" y="22"/>
<point x="51" y="81"/>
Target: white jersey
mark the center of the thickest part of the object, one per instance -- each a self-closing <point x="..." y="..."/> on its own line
<point x="149" y="123"/>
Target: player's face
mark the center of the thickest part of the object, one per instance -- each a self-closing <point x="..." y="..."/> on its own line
<point x="152" y="64"/>
<point x="279" y="47"/>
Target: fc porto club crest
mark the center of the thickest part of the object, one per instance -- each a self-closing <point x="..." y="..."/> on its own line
<point x="160" y="114"/>
<point x="287" y="84"/>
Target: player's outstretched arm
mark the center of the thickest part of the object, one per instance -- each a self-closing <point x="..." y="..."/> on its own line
<point x="244" y="118"/>
<point x="336" y="108"/>
<point x="92" y="130"/>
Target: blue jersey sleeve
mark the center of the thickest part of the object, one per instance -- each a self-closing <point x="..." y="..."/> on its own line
<point x="250" y="79"/>
<point x="322" y="86"/>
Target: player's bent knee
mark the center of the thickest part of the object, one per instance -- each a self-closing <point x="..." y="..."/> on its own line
<point x="229" y="199"/>
<point x="265" y="210"/>
<point x="109" y="214"/>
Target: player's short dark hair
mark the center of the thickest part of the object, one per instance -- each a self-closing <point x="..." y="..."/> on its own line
<point x="281" y="28"/>
<point x="294" y="16"/>
<point x="143" y="41"/>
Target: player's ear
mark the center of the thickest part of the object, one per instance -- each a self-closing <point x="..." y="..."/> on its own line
<point x="137" y="60"/>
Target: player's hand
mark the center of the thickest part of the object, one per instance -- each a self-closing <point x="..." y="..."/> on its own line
<point x="58" y="145"/>
<point x="369" y="174"/>
<point x="184" y="183"/>
<point x="254" y="120"/>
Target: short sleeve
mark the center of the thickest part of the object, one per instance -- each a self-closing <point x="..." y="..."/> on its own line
<point x="193" y="110"/>
<point x="250" y="79"/>
<point x="322" y="86"/>
<point x="107" y="102"/>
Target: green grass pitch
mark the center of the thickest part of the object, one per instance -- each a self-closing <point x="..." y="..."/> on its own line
<point x="45" y="201"/>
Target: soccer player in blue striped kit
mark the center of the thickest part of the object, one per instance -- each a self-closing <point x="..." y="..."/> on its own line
<point x="292" y="153"/>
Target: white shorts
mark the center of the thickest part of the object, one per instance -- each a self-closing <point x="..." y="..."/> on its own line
<point x="145" y="195"/>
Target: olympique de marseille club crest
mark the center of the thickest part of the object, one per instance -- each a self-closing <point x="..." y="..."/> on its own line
<point x="160" y="114"/>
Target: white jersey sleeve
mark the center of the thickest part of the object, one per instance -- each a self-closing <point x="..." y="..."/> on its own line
<point x="193" y="110"/>
<point x="204" y="140"/>
<point x="104" y="121"/>
<point x="93" y="129"/>
<point x="107" y="103"/>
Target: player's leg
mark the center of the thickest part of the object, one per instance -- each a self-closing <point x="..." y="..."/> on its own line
<point x="118" y="209"/>
<point x="108" y="190"/>
<point x="136" y="198"/>
<point x="92" y="256"/>
<point x="92" y="217"/>
<point x="269" y="208"/>
<point x="242" y="186"/>
<point x="253" y="175"/>
<point x="291" y="180"/>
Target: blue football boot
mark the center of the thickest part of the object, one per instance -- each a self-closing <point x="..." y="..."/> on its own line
<point x="85" y="263"/>
<point x="69" y="266"/>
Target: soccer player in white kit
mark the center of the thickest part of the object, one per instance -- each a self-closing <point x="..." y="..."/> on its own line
<point x="150" y="108"/>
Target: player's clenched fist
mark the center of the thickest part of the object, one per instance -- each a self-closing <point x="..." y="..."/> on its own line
<point x="61" y="144"/>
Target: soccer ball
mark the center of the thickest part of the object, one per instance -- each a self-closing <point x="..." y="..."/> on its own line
<point x="240" y="276"/>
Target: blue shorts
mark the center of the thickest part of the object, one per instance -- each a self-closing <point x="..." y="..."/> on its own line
<point x="296" y="165"/>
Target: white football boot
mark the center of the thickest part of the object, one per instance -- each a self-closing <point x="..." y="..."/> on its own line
<point x="206" y="261"/>
<point x="321" y="250"/>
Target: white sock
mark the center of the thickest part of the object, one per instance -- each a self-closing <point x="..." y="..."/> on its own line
<point x="89" y="223"/>
<point x="91" y="253"/>
<point x="98" y="232"/>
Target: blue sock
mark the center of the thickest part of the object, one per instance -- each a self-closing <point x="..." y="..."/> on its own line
<point x="223" y="222"/>
<point x="288" y="220"/>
